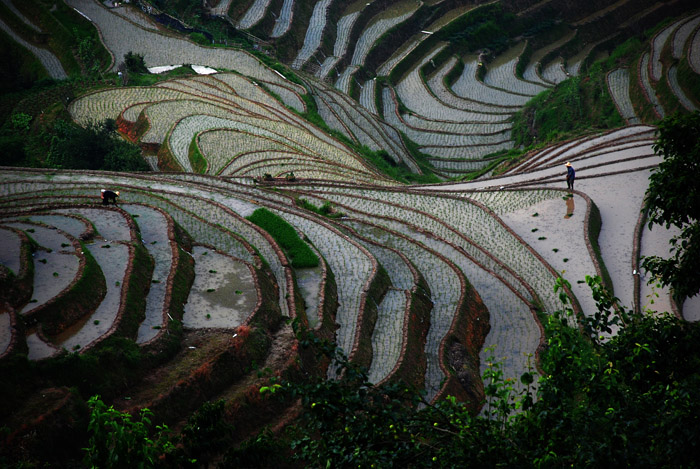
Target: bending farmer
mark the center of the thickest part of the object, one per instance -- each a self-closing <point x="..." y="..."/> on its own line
<point x="109" y="195"/>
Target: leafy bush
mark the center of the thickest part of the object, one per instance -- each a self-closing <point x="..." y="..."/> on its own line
<point x="207" y="433"/>
<point x="630" y="400"/>
<point x="118" y="441"/>
<point x="326" y="209"/>
<point x="200" y="38"/>
<point x="135" y="63"/>
<point x="96" y="146"/>
<point x="298" y="251"/>
<point x="673" y="198"/>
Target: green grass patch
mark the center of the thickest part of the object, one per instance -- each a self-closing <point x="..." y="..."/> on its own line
<point x="197" y="160"/>
<point x="595" y="223"/>
<point x="286" y="236"/>
<point x="667" y="98"/>
<point x="135" y="311"/>
<point x="326" y="210"/>
<point x="642" y="106"/>
<point x="575" y="106"/>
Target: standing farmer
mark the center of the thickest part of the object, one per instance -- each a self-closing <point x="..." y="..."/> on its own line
<point x="570" y="176"/>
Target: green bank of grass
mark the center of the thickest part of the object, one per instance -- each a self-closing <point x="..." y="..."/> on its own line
<point x="197" y="160"/>
<point x="575" y="106"/>
<point x="148" y="79"/>
<point x="326" y="210"/>
<point x="286" y="236"/>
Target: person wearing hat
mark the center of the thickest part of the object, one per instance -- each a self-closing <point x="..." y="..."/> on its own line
<point x="570" y="176"/>
<point x="109" y="195"/>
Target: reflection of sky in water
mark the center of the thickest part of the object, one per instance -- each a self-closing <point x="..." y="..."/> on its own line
<point x="309" y="283"/>
<point x="223" y="289"/>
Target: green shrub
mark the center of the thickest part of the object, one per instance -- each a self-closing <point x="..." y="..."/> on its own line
<point x="197" y="160"/>
<point x="135" y="63"/>
<point x="118" y="441"/>
<point x="629" y="400"/>
<point x="200" y="38"/>
<point x="326" y="209"/>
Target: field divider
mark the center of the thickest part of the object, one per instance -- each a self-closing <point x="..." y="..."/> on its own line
<point x="450" y="229"/>
<point x="60" y="312"/>
<point x="281" y="258"/>
<point x="451" y="385"/>
<point x="414" y="327"/>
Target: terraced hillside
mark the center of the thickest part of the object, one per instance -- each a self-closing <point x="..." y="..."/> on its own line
<point x="277" y="198"/>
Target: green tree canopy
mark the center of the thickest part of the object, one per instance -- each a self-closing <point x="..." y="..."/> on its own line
<point x="631" y="400"/>
<point x="96" y="146"/>
<point x="135" y="63"/>
<point x="673" y="199"/>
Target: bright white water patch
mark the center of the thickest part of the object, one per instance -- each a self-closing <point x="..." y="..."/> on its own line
<point x="163" y="68"/>
<point x="309" y="282"/>
<point x="202" y="70"/>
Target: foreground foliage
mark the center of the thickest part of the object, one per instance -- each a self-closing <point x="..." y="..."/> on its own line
<point x="118" y="441"/>
<point x="632" y="399"/>
<point x="673" y="199"/>
<point x="97" y="146"/>
<point x="628" y="400"/>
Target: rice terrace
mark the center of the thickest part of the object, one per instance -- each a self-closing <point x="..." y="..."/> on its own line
<point x="383" y="233"/>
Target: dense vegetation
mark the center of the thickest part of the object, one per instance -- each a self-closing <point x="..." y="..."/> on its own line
<point x="66" y="145"/>
<point x="97" y="146"/>
<point x="577" y="105"/>
<point x="629" y="400"/>
<point x="633" y="399"/>
<point x="673" y="199"/>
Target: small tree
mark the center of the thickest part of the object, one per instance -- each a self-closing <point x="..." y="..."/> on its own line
<point x="673" y="199"/>
<point x="135" y="63"/>
<point x="118" y="441"/>
<point x="21" y="121"/>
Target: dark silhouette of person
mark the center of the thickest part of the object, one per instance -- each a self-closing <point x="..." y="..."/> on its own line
<point x="109" y="195"/>
<point x="570" y="176"/>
